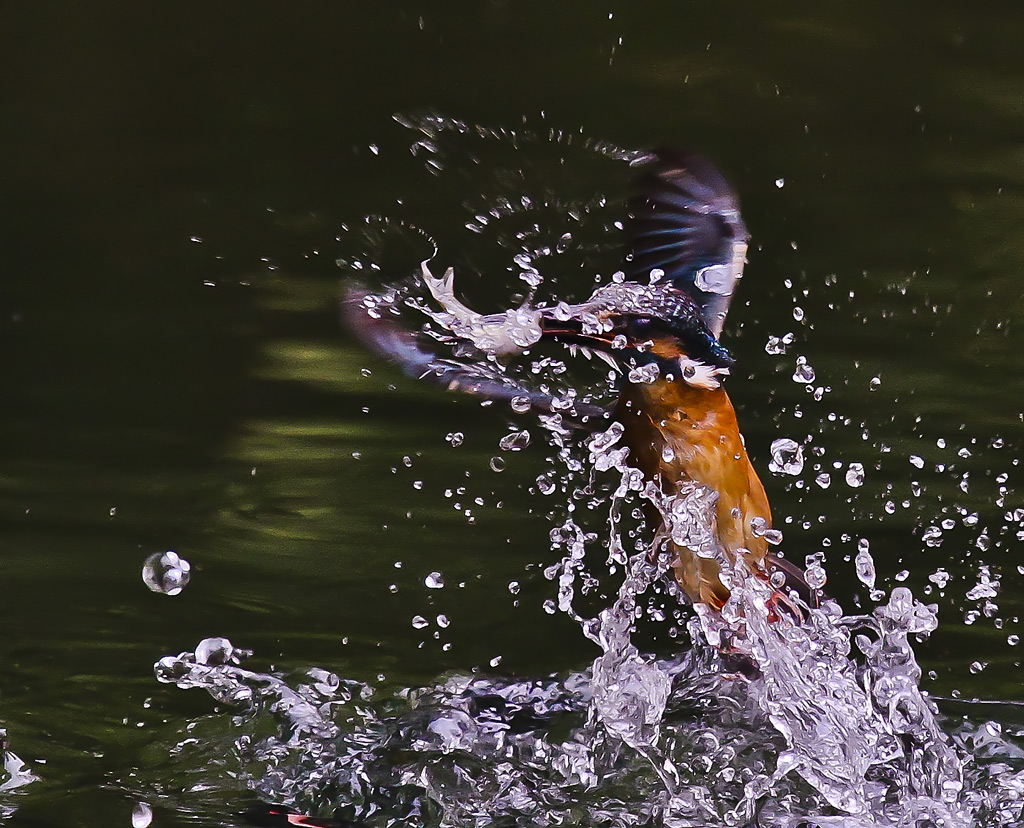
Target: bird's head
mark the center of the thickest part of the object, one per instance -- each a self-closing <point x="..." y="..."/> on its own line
<point x="646" y="331"/>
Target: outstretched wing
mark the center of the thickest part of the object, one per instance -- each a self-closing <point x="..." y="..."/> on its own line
<point x="686" y="222"/>
<point x="382" y="333"/>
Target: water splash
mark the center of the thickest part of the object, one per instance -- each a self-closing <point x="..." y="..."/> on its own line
<point x="14" y="774"/>
<point x="831" y="730"/>
<point x="773" y="724"/>
<point x="475" y="749"/>
<point x="847" y="726"/>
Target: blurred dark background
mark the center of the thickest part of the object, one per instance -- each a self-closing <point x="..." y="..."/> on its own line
<point x="178" y="183"/>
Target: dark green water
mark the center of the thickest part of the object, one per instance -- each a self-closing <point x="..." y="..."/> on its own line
<point x="175" y="187"/>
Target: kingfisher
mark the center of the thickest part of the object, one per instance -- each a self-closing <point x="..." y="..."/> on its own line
<point x="658" y="325"/>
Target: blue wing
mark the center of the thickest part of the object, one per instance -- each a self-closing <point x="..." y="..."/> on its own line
<point x="383" y="333"/>
<point x="686" y="222"/>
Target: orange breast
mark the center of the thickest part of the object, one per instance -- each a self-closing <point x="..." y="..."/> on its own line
<point x="699" y="430"/>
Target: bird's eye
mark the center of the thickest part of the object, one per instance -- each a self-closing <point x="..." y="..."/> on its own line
<point x="641" y="326"/>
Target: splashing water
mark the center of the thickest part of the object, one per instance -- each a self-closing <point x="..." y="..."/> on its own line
<point x="754" y="723"/>
<point x="818" y="738"/>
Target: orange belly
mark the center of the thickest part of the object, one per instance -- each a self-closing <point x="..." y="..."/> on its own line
<point x="677" y="433"/>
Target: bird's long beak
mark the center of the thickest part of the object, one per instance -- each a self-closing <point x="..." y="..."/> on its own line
<point x="619" y="321"/>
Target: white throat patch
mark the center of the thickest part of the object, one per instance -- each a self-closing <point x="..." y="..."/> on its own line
<point x="699" y="375"/>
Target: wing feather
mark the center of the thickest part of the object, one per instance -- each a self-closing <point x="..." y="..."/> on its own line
<point x="686" y="222"/>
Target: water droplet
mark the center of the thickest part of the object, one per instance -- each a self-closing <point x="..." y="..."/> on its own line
<point x="855" y="475"/>
<point x="214" y="651"/>
<point x="780" y="182"/>
<point x="546" y="483"/>
<point x="798" y="313"/>
<point x="513" y="587"/>
<point x="940" y="577"/>
<point x="787" y="457"/>
<point x="601" y="442"/>
<point x="142" y="815"/>
<point x="515" y="441"/>
<point x="494" y="662"/>
<point x="875" y="384"/>
<point x="865" y="564"/>
<point x="815" y="576"/>
<point x="443" y="622"/>
<point x="758" y="526"/>
<point x="455" y="438"/>
<point x="534" y="280"/>
<point x="804" y="373"/>
<point x="435" y="580"/>
<point x="644" y="374"/>
<point x="916" y="461"/>
<point x="419" y="622"/>
<point x="497" y="464"/>
<point x="823" y="480"/>
<point x="166" y="572"/>
<point x="520" y="404"/>
<point x="563" y="313"/>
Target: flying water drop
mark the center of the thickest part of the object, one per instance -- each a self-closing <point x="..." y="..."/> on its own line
<point x="516" y="441"/>
<point x="855" y="475"/>
<point x="787" y="457"/>
<point x="166" y="572"/>
<point x="142" y="815"/>
<point x="644" y="374"/>
<point x="803" y="373"/>
<point x="865" y="564"/>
